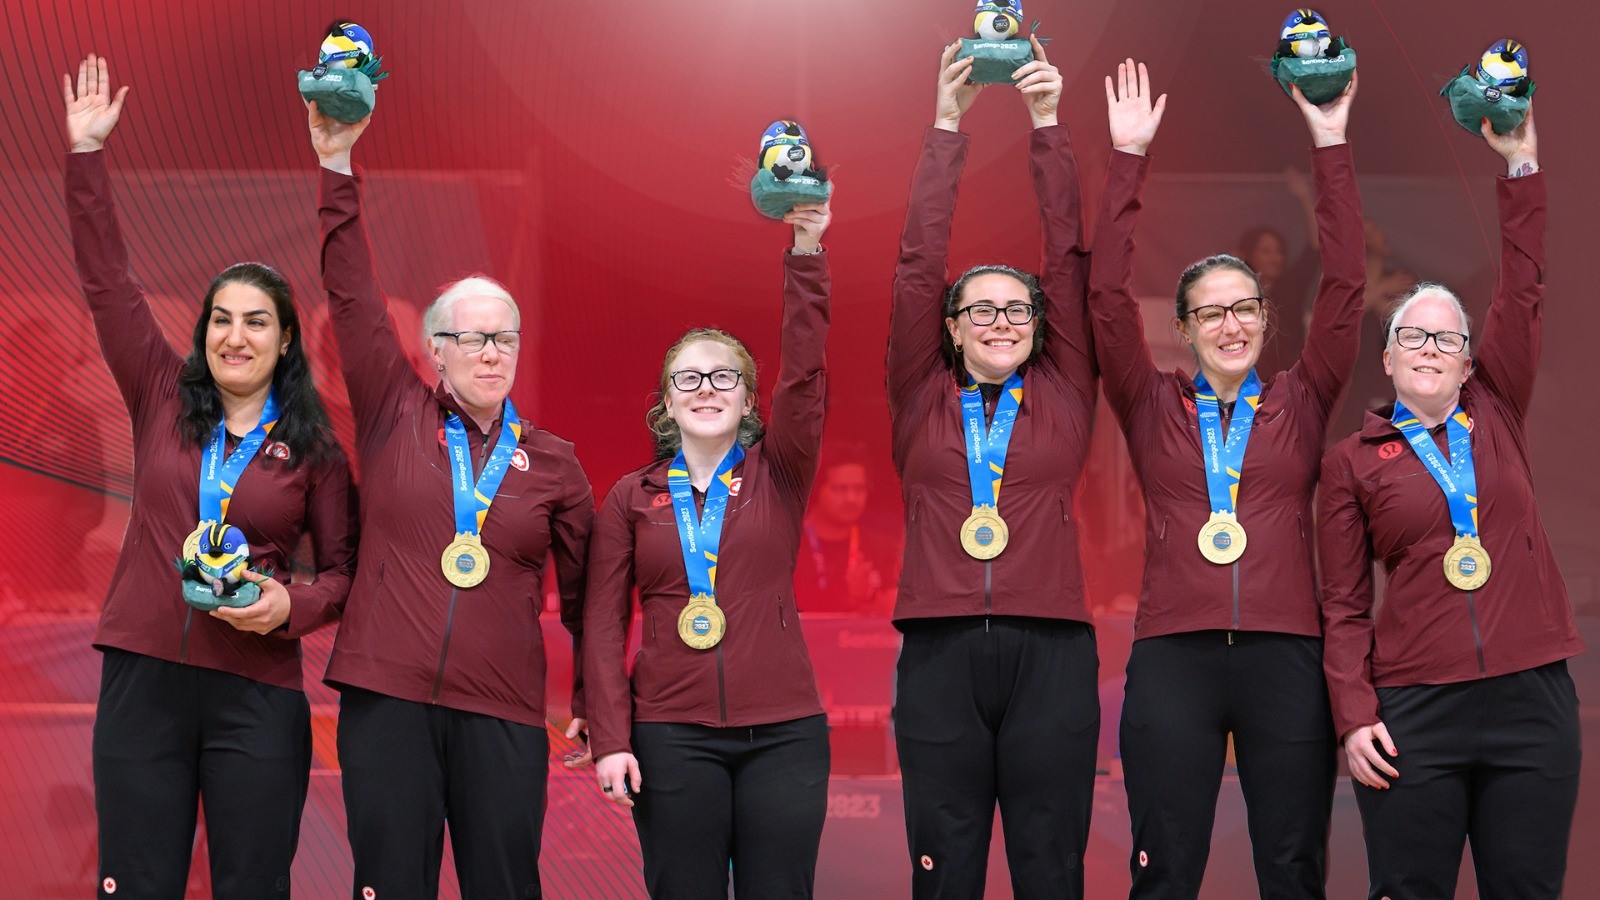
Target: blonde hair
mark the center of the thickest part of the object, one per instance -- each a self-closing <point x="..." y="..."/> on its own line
<point x="437" y="316"/>
<point x="668" y="438"/>
<point x="1424" y="289"/>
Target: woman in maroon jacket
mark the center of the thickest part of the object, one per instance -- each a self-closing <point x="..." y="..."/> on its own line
<point x="1227" y="636"/>
<point x="720" y="744"/>
<point x="440" y="657"/>
<point x="996" y="696"/>
<point x="1462" y="670"/>
<point x="192" y="704"/>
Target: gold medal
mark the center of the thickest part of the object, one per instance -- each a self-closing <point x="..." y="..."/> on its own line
<point x="984" y="534"/>
<point x="1222" y="539"/>
<point x="465" y="562"/>
<point x="191" y="544"/>
<point x="701" y="624"/>
<point x="1467" y="564"/>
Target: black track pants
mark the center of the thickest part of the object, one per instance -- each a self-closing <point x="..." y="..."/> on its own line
<point x="410" y="767"/>
<point x="1186" y="693"/>
<point x="755" y="797"/>
<point x="1000" y="709"/>
<point x="168" y="735"/>
<point x="1494" y="762"/>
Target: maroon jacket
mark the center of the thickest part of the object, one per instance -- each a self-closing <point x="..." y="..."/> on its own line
<point x="1379" y="502"/>
<point x="274" y="503"/>
<point x="1039" y="574"/>
<point x="407" y="632"/>
<point x="760" y="672"/>
<point x="1272" y="587"/>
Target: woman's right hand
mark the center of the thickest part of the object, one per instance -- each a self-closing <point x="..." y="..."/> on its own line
<point x="955" y="92"/>
<point x="1134" y="119"/>
<point x="91" y="112"/>
<point x="1365" y="760"/>
<point x="616" y="771"/>
<point x="332" y="139"/>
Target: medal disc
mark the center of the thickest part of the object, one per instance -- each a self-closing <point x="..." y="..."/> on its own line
<point x="191" y="544"/>
<point x="984" y="534"/>
<point x="1467" y="564"/>
<point x="465" y="562"/>
<point x="701" y="624"/>
<point x="1222" y="539"/>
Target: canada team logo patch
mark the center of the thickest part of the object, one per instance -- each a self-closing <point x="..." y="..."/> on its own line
<point x="109" y="885"/>
<point x="927" y="862"/>
<point x="519" y="460"/>
<point x="734" y="485"/>
<point x="367" y="893"/>
<point x="1389" y="450"/>
<point x="277" y="450"/>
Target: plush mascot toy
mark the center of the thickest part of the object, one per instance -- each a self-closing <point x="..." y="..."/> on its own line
<point x="346" y="75"/>
<point x="216" y="575"/>
<point x="786" y="174"/>
<point x="1000" y="46"/>
<point x="1311" y="58"/>
<point x="1496" y="87"/>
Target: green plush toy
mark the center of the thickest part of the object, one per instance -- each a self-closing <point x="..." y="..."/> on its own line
<point x="786" y="175"/>
<point x="345" y="80"/>
<point x="1310" y="58"/>
<point x="1496" y="88"/>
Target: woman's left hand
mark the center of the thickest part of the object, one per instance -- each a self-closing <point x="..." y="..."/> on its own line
<point x="264" y="616"/>
<point x="810" y="220"/>
<point x="578" y="730"/>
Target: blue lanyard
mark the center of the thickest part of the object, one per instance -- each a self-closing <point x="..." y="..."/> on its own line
<point x="1456" y="477"/>
<point x="472" y="501"/>
<point x="218" y="476"/>
<point x="700" y="536"/>
<point x="1224" y="460"/>
<point x="986" y="449"/>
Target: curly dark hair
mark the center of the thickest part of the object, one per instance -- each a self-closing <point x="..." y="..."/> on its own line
<point x="302" y="422"/>
<point x="952" y="302"/>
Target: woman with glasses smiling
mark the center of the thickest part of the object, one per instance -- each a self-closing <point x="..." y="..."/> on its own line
<point x="718" y="742"/>
<point x="1452" y="699"/>
<point x="1227" y="636"/>
<point x="996" y="697"/>
<point x="440" y="658"/>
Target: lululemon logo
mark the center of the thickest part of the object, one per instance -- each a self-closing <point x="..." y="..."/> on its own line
<point x="701" y="625"/>
<point x="927" y="862"/>
<point x="984" y="536"/>
<point x="1389" y="450"/>
<point x="109" y="885"/>
<point x="1222" y="540"/>
<point x="661" y="500"/>
<point x="464" y="563"/>
<point x="1468" y="565"/>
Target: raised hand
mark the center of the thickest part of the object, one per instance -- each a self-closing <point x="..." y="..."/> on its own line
<point x="92" y="113"/>
<point x="1519" y="147"/>
<point x="810" y="220"/>
<point x="332" y="139"/>
<point x="1134" y="119"/>
<point x="1040" y="86"/>
<point x="955" y="92"/>
<point x="1328" y="121"/>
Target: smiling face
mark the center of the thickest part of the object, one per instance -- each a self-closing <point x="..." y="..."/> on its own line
<point x="1426" y="377"/>
<point x="481" y="380"/>
<point x="1226" y="350"/>
<point x="705" y="413"/>
<point x="992" y="352"/>
<point x="244" y="339"/>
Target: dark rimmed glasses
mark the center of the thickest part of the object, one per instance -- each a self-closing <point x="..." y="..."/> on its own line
<point x="1413" y="338"/>
<point x="1246" y="311"/>
<point x="987" y="313"/>
<point x="475" y="341"/>
<point x="689" y="380"/>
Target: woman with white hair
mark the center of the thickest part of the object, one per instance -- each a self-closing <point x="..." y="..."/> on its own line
<point x="439" y="660"/>
<point x="1463" y="668"/>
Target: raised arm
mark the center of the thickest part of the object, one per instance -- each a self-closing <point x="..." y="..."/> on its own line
<point x="799" y="400"/>
<point x="1329" y="356"/>
<point x="1127" y="371"/>
<point x="916" y="321"/>
<point x="140" y="359"/>
<point x="1064" y="273"/>
<point x="375" y="368"/>
<point x="607" y="610"/>
<point x="1507" y="354"/>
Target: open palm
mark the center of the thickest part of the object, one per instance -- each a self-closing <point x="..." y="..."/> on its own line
<point x="91" y="111"/>
<point x="1134" y="119"/>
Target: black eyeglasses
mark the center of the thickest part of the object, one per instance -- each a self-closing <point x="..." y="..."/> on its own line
<point x="1412" y="338"/>
<point x="687" y="380"/>
<point x="475" y="341"/>
<point x="987" y="313"/>
<point x="1246" y="311"/>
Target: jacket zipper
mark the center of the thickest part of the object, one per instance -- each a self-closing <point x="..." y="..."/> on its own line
<point x="450" y="615"/>
<point x="1477" y="639"/>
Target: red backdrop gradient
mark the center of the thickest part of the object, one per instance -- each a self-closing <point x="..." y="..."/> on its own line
<point x="584" y="155"/>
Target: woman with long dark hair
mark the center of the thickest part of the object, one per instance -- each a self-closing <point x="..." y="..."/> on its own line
<point x="1227" y="636"/>
<point x="991" y="395"/>
<point x="718" y="742"/>
<point x="196" y="706"/>
<point x="440" y="656"/>
<point x="1452" y="699"/>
